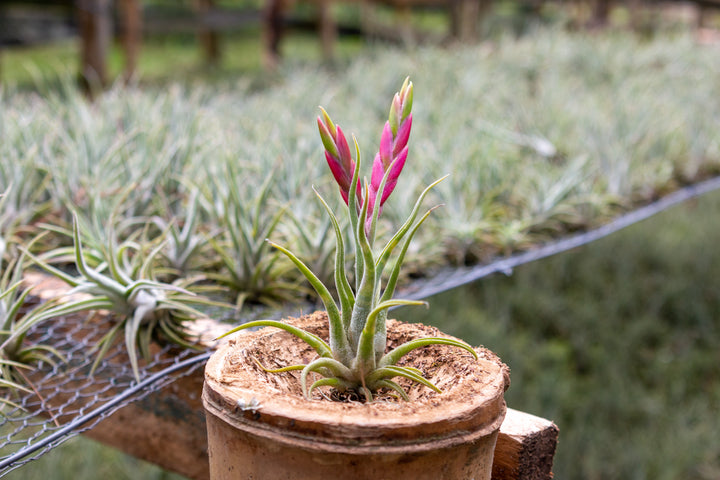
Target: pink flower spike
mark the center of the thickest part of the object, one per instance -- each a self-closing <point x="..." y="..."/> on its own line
<point x="328" y="137"/>
<point x="338" y="172"/>
<point x="378" y="171"/>
<point x="346" y="160"/>
<point x="401" y="106"/>
<point x="393" y="148"/>
<point x="337" y="154"/>
<point x="394" y="174"/>
<point x="386" y="146"/>
<point x="403" y="134"/>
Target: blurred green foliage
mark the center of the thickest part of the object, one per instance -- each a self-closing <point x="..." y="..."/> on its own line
<point x="83" y="459"/>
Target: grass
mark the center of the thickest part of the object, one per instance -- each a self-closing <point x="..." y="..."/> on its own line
<point x="163" y="58"/>
<point x="617" y="342"/>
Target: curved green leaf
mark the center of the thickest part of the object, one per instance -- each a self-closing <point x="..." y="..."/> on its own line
<point x="395" y="240"/>
<point x="353" y="211"/>
<point x="339" y="370"/>
<point x="365" y="295"/>
<point x="330" y="381"/>
<point x="395" y="274"/>
<point x="393" y="371"/>
<point x="87" y="272"/>
<point x="392" y="357"/>
<point x="385" y="383"/>
<point x="338" y="339"/>
<point x="278" y="370"/>
<point x="317" y="343"/>
<point x="347" y="298"/>
<point x="366" y="346"/>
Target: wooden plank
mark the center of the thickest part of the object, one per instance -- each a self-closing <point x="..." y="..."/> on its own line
<point x="525" y="447"/>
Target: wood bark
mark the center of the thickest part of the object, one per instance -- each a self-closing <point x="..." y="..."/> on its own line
<point x="525" y="448"/>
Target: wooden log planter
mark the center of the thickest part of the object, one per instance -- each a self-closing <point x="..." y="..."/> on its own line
<point x="168" y="427"/>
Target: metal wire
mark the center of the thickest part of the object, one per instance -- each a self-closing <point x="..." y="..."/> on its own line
<point x="68" y="399"/>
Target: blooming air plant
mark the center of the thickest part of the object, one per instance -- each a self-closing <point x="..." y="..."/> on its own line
<point x="354" y="358"/>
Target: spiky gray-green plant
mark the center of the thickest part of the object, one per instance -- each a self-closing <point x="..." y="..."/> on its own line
<point x="354" y="358"/>
<point x="185" y="244"/>
<point x="249" y="267"/>
<point x="17" y="356"/>
<point x="120" y="278"/>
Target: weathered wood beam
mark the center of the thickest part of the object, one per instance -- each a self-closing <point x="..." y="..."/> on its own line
<point x="272" y="31"/>
<point x="525" y="447"/>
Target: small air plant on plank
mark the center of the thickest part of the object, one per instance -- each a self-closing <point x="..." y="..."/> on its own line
<point x="120" y="278"/>
<point x="18" y="356"/>
<point x="354" y="359"/>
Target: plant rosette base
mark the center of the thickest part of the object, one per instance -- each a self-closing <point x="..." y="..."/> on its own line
<point x="261" y="427"/>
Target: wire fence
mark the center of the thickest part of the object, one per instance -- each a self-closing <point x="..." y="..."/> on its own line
<point x="74" y="395"/>
<point x="69" y="397"/>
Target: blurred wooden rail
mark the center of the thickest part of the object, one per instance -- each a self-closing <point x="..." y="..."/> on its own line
<point x="98" y="22"/>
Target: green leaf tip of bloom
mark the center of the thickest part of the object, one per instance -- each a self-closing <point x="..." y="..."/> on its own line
<point x="401" y="105"/>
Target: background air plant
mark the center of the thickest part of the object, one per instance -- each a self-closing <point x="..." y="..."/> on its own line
<point x="23" y="199"/>
<point x="185" y="249"/>
<point x="16" y="355"/>
<point x="121" y="278"/>
<point x="639" y="127"/>
<point x="249" y="268"/>
<point x="354" y="358"/>
<point x="313" y="245"/>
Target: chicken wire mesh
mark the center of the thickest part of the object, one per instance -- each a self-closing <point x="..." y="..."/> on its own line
<point x="68" y="397"/>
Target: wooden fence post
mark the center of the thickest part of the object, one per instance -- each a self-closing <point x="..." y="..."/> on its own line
<point x="464" y="18"/>
<point x="209" y="41"/>
<point x="327" y="27"/>
<point x="272" y="20"/>
<point x="130" y="14"/>
<point x="95" y="23"/>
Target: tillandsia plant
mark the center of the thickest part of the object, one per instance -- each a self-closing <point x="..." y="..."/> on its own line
<point x="249" y="269"/>
<point x="121" y="278"/>
<point x="18" y="356"/>
<point x="354" y="358"/>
